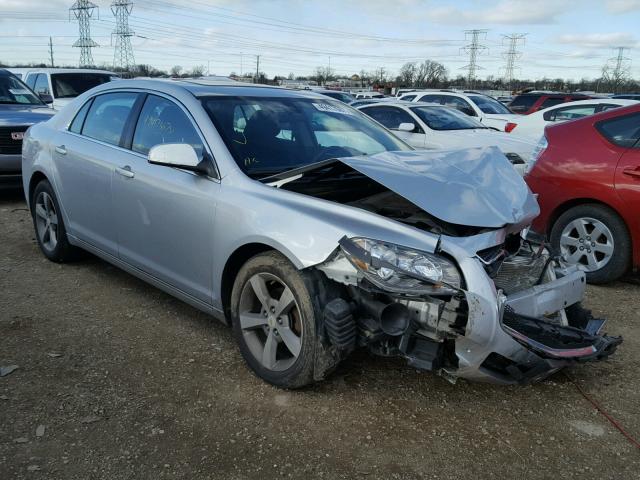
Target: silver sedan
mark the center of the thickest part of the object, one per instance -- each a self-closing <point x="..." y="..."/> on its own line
<point x="309" y="228"/>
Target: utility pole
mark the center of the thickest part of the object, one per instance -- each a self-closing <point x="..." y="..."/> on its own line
<point x="241" y="73"/>
<point x="82" y="10"/>
<point x="51" y="51"/>
<point x="123" y="53"/>
<point x="473" y="49"/>
<point x="257" y="68"/>
<point x="511" y="55"/>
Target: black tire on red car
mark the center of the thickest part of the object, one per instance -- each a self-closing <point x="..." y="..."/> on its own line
<point x="595" y="238"/>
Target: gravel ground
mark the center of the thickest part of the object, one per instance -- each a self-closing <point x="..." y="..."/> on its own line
<point x="117" y="380"/>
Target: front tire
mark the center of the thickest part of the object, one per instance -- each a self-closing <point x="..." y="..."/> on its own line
<point x="51" y="233"/>
<point x="274" y="322"/>
<point x="596" y="239"/>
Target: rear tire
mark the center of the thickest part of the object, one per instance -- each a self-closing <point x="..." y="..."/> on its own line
<point x="48" y="223"/>
<point x="273" y="317"/>
<point x="596" y="239"/>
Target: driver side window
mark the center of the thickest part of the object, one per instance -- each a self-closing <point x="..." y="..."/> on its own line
<point x="390" y="117"/>
<point x="162" y="121"/>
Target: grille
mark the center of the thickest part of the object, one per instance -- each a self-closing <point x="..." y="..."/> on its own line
<point x="9" y="146"/>
<point x="519" y="272"/>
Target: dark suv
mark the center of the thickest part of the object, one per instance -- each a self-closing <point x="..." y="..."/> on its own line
<point x="527" y="103"/>
<point x="19" y="109"/>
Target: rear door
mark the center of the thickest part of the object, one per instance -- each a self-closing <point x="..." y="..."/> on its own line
<point x="624" y="131"/>
<point x="86" y="156"/>
<point x="164" y="215"/>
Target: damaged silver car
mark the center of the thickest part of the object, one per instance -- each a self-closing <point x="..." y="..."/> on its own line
<point x="310" y="229"/>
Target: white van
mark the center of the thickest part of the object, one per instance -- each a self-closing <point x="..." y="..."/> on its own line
<point x="64" y="84"/>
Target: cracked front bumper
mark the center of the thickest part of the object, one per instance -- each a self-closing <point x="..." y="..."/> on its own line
<point x="531" y="334"/>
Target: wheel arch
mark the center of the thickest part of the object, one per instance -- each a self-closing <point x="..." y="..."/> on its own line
<point x="575" y="202"/>
<point x="35" y="179"/>
<point x="231" y="268"/>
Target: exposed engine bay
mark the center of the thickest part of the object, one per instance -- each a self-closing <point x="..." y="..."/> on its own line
<point x="484" y="302"/>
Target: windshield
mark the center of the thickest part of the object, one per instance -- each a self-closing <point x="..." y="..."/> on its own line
<point x="445" y="118"/>
<point x="343" y="97"/>
<point x="69" y="85"/>
<point x="13" y="91"/>
<point x="488" y="104"/>
<point x="267" y="136"/>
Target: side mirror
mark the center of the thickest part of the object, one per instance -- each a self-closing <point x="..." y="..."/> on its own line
<point x="407" y="127"/>
<point x="179" y="155"/>
<point x="46" y="98"/>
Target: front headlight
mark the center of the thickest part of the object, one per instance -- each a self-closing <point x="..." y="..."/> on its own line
<point x="401" y="270"/>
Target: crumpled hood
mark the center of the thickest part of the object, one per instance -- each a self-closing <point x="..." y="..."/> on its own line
<point x="476" y="187"/>
<point x="14" y="115"/>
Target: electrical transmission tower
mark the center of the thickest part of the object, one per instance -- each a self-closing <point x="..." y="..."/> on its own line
<point x="474" y="48"/>
<point x="123" y="54"/>
<point x="82" y="10"/>
<point x="512" y="54"/>
<point x="617" y="70"/>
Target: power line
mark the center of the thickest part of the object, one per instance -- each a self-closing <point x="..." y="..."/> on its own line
<point x="473" y="49"/>
<point x="512" y="54"/>
<point x="123" y="53"/>
<point x="617" y="70"/>
<point x="83" y="11"/>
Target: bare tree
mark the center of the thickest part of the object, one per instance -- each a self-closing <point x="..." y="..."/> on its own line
<point x="324" y="74"/>
<point x="430" y="74"/>
<point x="175" y="71"/>
<point x="407" y="74"/>
<point x="197" y="71"/>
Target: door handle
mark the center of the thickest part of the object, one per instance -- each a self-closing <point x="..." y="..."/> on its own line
<point x="61" y="150"/>
<point x="632" y="172"/>
<point x="125" y="171"/>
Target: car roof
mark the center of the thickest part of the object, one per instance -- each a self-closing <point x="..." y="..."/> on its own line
<point x="204" y="88"/>
<point x="69" y="70"/>
<point x="400" y="103"/>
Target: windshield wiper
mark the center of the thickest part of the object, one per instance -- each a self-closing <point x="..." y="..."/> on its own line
<point x="298" y="171"/>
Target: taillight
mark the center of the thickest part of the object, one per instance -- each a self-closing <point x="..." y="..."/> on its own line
<point x="537" y="153"/>
<point x="510" y="126"/>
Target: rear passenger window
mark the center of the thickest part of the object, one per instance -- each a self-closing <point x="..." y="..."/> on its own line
<point x="550" y="102"/>
<point x="78" y="121"/>
<point x="108" y="115"/>
<point x="621" y="131"/>
<point x="162" y="121"/>
<point x="31" y="81"/>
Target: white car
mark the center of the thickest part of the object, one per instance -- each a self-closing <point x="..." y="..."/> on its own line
<point x="434" y="127"/>
<point x="368" y="94"/>
<point x="532" y="126"/>
<point x="65" y="84"/>
<point x="484" y="108"/>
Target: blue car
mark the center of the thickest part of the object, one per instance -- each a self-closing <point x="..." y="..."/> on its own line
<point x="19" y="109"/>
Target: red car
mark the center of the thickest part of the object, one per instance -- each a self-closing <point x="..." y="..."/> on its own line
<point x="527" y="103"/>
<point x="587" y="175"/>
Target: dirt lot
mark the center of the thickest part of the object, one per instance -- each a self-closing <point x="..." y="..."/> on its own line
<point x="130" y="383"/>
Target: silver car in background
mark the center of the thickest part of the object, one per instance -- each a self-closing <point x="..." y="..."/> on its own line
<point x="309" y="228"/>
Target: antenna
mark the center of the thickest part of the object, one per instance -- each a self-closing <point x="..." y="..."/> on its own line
<point x="123" y="54"/>
<point x="473" y="49"/>
<point x="512" y="54"/>
<point x="82" y="10"/>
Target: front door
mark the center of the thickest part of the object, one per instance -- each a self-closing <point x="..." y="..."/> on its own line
<point x="165" y="215"/>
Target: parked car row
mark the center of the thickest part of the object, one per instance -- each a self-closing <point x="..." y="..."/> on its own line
<point x="314" y="230"/>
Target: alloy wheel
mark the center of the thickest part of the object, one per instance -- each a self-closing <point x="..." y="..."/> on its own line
<point x="588" y="243"/>
<point x="46" y="221"/>
<point x="270" y="321"/>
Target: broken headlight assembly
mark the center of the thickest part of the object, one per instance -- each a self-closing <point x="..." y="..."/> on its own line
<point x="401" y="270"/>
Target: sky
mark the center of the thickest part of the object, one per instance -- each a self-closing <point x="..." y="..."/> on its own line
<point x="564" y="38"/>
